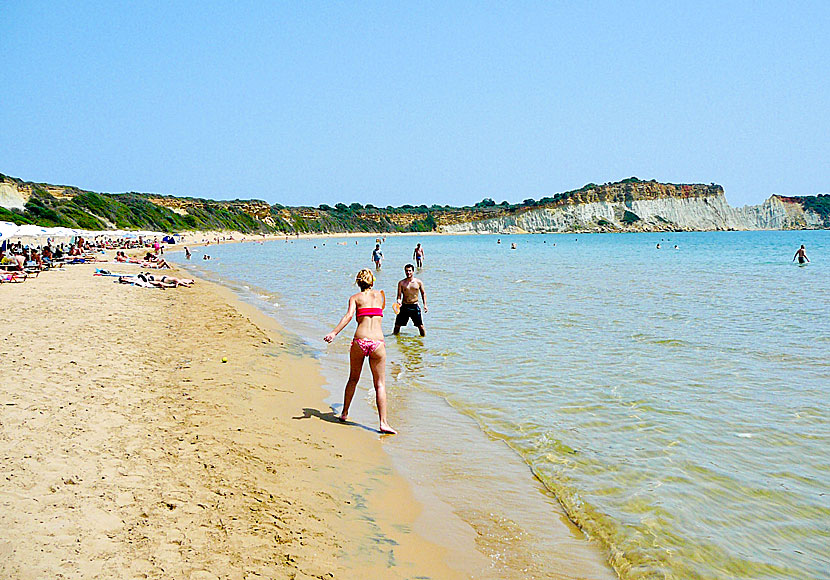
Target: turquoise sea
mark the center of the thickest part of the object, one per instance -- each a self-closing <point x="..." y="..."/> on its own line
<point x="673" y="401"/>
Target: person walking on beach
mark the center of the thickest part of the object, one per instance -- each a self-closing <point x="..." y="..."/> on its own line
<point x="377" y="256"/>
<point x="408" y="290"/>
<point x="418" y="256"/>
<point x="367" y="307"/>
<point x="801" y="254"/>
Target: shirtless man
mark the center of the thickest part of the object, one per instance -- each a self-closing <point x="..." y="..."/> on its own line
<point x="408" y="290"/>
<point x="418" y="256"/>
<point x="801" y="254"/>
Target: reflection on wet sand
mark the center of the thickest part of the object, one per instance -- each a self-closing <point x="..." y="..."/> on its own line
<point x="412" y="350"/>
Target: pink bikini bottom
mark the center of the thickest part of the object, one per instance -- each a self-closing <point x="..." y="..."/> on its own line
<point x="367" y="345"/>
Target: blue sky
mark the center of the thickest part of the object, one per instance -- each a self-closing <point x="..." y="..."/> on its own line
<point x="393" y="103"/>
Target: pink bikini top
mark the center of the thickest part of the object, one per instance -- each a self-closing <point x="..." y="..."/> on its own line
<point x="369" y="312"/>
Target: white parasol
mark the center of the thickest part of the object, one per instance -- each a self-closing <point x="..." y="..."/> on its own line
<point x="8" y="229"/>
<point x="30" y="231"/>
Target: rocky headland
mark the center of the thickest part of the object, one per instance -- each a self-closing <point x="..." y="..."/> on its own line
<point x="648" y="206"/>
<point x="630" y="205"/>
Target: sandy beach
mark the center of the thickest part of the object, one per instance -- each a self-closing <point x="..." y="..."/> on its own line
<point x="131" y="450"/>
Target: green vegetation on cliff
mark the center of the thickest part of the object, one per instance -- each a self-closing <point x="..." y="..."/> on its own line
<point x="49" y="205"/>
<point x="96" y="211"/>
<point x="819" y="204"/>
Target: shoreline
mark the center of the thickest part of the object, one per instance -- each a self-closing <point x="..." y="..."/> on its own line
<point x="474" y="539"/>
<point x="132" y="449"/>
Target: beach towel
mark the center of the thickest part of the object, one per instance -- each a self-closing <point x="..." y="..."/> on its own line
<point x="102" y="272"/>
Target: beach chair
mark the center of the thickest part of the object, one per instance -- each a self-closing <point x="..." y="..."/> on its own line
<point x="32" y="267"/>
<point x="16" y="277"/>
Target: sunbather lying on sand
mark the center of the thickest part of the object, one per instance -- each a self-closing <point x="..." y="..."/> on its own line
<point x="169" y="280"/>
<point x="141" y="280"/>
<point x="158" y="264"/>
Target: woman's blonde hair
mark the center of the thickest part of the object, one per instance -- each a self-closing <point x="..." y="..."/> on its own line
<point x="365" y="279"/>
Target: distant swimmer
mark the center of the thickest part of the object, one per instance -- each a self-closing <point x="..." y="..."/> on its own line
<point x="513" y="246"/>
<point x="498" y="241"/>
<point x="801" y="254"/>
<point x="658" y="246"/>
<point x="675" y="247"/>
<point x="187" y="253"/>
<point x="418" y="256"/>
<point x="367" y="308"/>
<point x="409" y="290"/>
<point x="377" y="256"/>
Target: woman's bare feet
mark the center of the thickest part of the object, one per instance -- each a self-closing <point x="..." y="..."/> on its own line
<point x="386" y="429"/>
<point x="343" y="418"/>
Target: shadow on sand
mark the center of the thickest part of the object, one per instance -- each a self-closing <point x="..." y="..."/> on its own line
<point x="330" y="417"/>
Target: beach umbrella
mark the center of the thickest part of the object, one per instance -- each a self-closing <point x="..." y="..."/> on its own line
<point x="8" y="229"/>
<point x="60" y="232"/>
<point x="30" y="231"/>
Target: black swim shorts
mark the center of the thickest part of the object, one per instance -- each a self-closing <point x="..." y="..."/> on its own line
<point x="409" y="311"/>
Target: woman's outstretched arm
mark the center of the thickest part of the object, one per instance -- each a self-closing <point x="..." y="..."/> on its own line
<point x="343" y="321"/>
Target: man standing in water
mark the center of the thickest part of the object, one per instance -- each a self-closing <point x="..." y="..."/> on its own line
<point x="801" y="254"/>
<point x="377" y="256"/>
<point x="408" y="290"/>
<point x="418" y="256"/>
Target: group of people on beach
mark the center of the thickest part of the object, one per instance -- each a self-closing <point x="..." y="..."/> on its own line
<point x="19" y="261"/>
<point x="367" y="307"/>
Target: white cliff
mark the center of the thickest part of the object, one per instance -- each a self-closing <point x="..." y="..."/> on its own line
<point x="11" y="197"/>
<point x="662" y="214"/>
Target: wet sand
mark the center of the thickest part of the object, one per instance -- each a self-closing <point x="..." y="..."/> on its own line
<point x="131" y="450"/>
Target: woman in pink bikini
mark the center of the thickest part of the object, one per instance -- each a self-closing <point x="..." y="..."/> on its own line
<point x="367" y="306"/>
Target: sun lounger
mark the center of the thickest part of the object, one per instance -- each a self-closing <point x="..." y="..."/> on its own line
<point x="13" y="277"/>
<point x="33" y="268"/>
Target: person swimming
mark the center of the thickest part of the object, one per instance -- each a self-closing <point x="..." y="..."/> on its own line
<point x="367" y="308"/>
<point x="801" y="254"/>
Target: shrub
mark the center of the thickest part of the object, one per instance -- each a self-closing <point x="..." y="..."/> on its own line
<point x="629" y="217"/>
